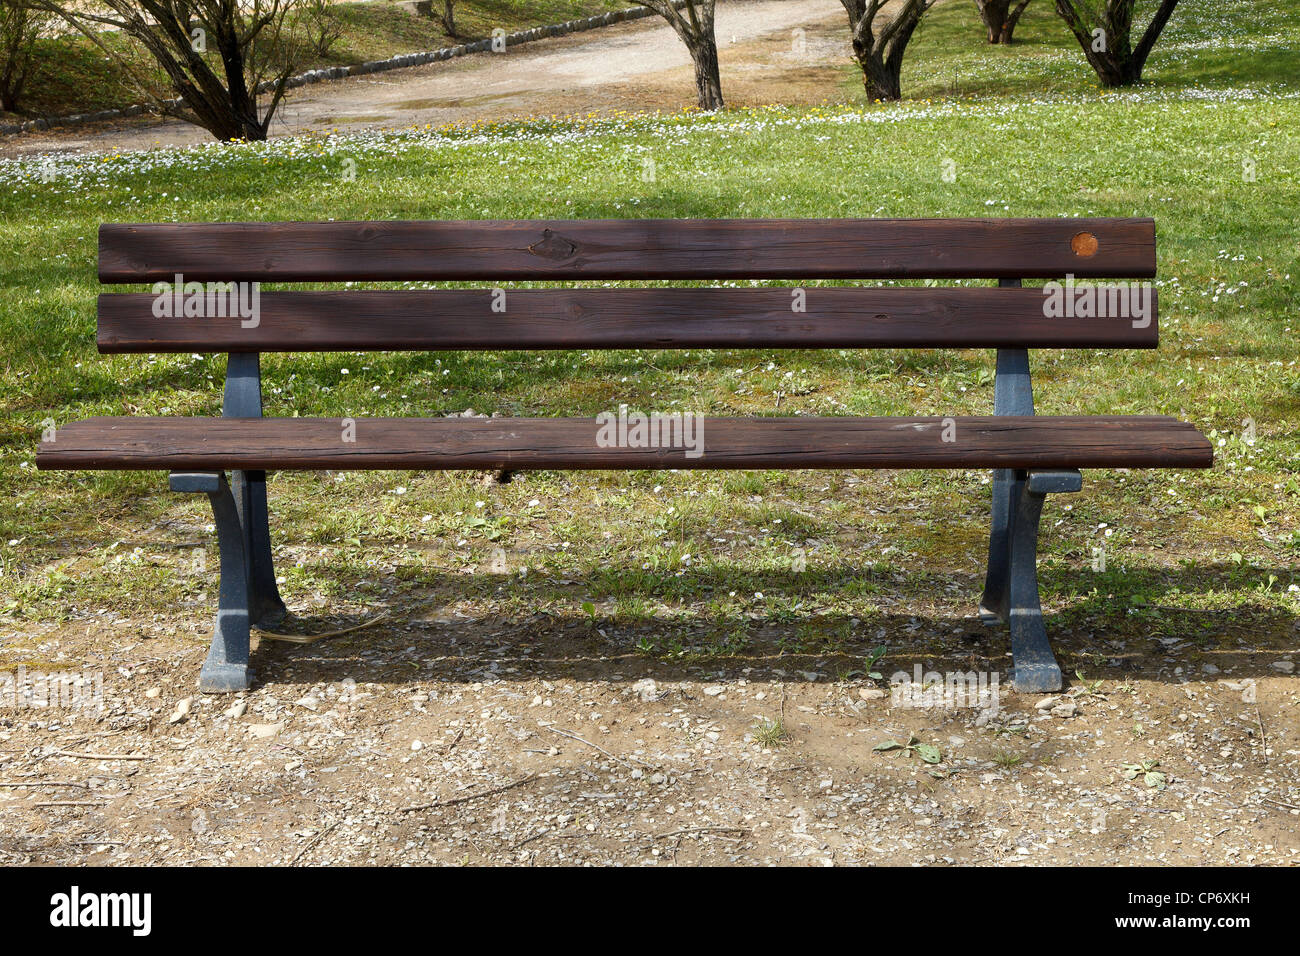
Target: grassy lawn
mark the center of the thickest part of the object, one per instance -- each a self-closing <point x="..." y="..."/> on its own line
<point x="711" y="560"/>
<point x="1250" y="43"/>
<point x="73" y="76"/>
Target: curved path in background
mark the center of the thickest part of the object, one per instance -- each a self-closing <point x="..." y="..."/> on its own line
<point x="640" y="65"/>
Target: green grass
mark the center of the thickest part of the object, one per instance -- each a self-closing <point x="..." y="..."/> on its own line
<point x="1253" y="43"/>
<point x="1189" y="555"/>
<point x="71" y="75"/>
<point x="771" y="734"/>
<point x="1006" y="759"/>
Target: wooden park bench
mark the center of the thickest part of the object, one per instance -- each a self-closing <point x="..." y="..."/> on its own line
<point x="1030" y="456"/>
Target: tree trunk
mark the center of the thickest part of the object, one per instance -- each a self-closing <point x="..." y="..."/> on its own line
<point x="879" y="52"/>
<point x="1118" y="71"/>
<point x="241" y="102"/>
<point x="228" y="118"/>
<point x="1114" y="64"/>
<point x="994" y="15"/>
<point x="21" y="28"/>
<point x="881" y="80"/>
<point x="11" y="87"/>
<point x="448" y="17"/>
<point x="708" y="80"/>
<point x="1000" y="17"/>
<point x="1111" y="53"/>
<point x="693" y="24"/>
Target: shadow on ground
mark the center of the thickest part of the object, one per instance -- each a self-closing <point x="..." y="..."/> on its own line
<point x="1139" y="632"/>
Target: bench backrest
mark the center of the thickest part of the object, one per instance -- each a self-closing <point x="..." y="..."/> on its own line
<point x="1007" y="317"/>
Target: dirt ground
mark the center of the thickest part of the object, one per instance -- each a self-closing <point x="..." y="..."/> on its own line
<point x="434" y="736"/>
<point x="786" y="51"/>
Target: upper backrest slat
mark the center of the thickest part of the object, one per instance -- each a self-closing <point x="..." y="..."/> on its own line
<point x="628" y="249"/>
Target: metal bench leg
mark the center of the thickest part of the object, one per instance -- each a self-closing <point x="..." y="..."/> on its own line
<point x="1013" y="394"/>
<point x="265" y="604"/>
<point x="243" y="399"/>
<point x="226" y="669"/>
<point x="993" y="605"/>
<point x="1036" y="670"/>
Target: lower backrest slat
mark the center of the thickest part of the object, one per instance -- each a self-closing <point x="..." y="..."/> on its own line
<point x="833" y="317"/>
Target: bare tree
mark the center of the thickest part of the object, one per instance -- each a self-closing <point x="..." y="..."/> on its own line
<point x="879" y="51"/>
<point x="1001" y="17"/>
<point x="218" y="55"/>
<point x="1104" y="29"/>
<point x="321" y="26"/>
<point x="692" y="20"/>
<point x="20" y="26"/>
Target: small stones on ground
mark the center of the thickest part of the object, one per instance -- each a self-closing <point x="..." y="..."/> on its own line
<point x="714" y="690"/>
<point x="182" y="710"/>
<point x="872" y="693"/>
<point x="1068" y="709"/>
<point x="646" y="690"/>
<point x="153" y="693"/>
<point x="1047" y="703"/>
<point x="238" y="709"/>
<point x="1285" y="666"/>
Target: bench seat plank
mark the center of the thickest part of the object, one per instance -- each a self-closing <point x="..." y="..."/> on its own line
<point x="836" y="317"/>
<point x="214" y="444"/>
<point x="629" y="249"/>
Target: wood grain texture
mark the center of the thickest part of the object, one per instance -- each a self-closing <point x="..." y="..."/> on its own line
<point x="621" y="318"/>
<point x="628" y="249"/>
<point x="212" y="444"/>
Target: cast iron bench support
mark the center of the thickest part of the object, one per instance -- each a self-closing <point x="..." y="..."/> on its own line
<point x="226" y="668"/>
<point x="1012" y="596"/>
<point x="248" y="592"/>
<point x="243" y="399"/>
<point x="1035" y="667"/>
<point x="1013" y="394"/>
<point x="1011" y="585"/>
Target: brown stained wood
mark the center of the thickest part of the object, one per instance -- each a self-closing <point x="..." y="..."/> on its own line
<point x="212" y="444"/>
<point x="628" y="249"/>
<point x="621" y="318"/>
